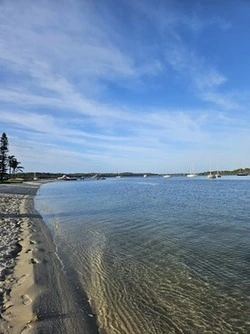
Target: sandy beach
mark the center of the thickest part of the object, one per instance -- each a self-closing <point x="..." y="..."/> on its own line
<point x="35" y="294"/>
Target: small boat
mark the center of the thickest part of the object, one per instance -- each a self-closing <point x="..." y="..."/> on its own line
<point x="211" y="175"/>
<point x="166" y="176"/>
<point x="191" y="175"/>
<point x="217" y="174"/>
<point x="67" y="178"/>
<point x="242" y="174"/>
<point x="145" y="175"/>
<point x="64" y="178"/>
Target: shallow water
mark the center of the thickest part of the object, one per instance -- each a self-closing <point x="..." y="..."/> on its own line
<point x="156" y="255"/>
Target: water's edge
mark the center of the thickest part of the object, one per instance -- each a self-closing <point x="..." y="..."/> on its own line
<point x="62" y="304"/>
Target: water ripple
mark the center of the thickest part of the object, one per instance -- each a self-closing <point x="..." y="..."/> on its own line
<point x="158" y="258"/>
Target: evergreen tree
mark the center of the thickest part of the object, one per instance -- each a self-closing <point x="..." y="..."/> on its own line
<point x="3" y="156"/>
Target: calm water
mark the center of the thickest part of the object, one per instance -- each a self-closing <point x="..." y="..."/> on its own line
<point x="157" y="255"/>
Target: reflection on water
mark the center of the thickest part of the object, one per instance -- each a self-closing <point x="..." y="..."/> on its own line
<point x="157" y="256"/>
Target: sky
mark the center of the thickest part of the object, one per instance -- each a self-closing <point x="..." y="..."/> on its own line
<point x="156" y="86"/>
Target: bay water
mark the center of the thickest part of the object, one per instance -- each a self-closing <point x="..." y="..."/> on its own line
<point x="156" y="255"/>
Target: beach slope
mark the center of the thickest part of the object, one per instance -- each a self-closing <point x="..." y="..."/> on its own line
<point x="35" y="294"/>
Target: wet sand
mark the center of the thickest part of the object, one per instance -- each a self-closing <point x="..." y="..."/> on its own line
<point x="35" y="294"/>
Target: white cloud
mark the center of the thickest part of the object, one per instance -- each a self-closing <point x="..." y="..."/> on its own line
<point x="57" y="42"/>
<point x="225" y="101"/>
<point x="187" y="63"/>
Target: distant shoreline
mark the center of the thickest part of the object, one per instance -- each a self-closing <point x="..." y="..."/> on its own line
<point x="36" y="294"/>
<point x="47" y="176"/>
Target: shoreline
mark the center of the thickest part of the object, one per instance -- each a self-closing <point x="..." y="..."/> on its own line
<point x="36" y="296"/>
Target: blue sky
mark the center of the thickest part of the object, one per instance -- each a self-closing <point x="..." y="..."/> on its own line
<point x="123" y="85"/>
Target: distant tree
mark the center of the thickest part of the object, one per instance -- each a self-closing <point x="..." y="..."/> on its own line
<point x="3" y="156"/>
<point x="10" y="159"/>
<point x="14" y="165"/>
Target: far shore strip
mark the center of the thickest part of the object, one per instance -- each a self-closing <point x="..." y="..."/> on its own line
<point x="36" y="296"/>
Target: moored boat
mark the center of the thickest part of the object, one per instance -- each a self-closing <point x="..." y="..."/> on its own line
<point x="242" y="174"/>
<point x="191" y="175"/>
<point x="211" y="176"/>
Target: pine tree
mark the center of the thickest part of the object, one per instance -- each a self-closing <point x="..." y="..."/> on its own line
<point x="3" y="156"/>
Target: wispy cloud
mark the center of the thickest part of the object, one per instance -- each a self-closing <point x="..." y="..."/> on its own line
<point x="202" y="76"/>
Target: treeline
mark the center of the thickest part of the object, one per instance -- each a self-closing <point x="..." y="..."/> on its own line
<point x="47" y="176"/>
<point x="44" y="175"/>
<point x="9" y="164"/>
<point x="228" y="172"/>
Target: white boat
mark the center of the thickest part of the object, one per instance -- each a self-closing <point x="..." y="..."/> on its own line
<point x="217" y="174"/>
<point x="118" y="175"/>
<point x="145" y="175"/>
<point x="191" y="173"/>
<point x="167" y="175"/>
<point x="66" y="178"/>
<point x="242" y="172"/>
<point x="211" y="175"/>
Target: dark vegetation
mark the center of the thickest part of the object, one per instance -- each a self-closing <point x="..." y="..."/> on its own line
<point x="47" y="176"/>
<point x="9" y="164"/>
